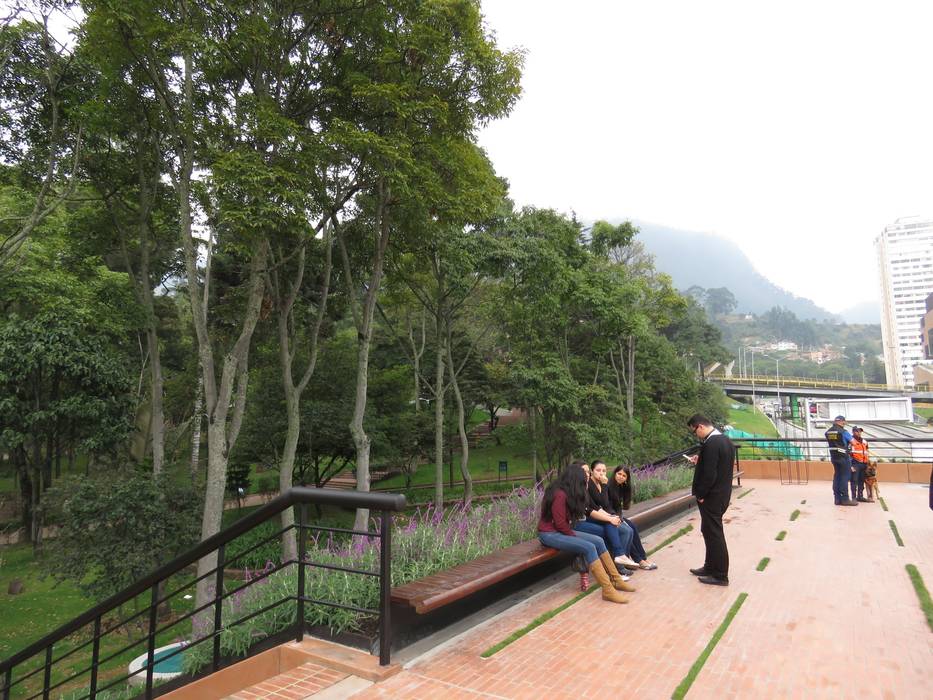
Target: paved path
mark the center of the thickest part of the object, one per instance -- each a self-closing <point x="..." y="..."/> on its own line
<point x="834" y="615"/>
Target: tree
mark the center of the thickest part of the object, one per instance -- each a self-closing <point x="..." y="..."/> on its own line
<point x="114" y="531"/>
<point x="720" y="301"/>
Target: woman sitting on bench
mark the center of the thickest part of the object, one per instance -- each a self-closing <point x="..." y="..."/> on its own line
<point x="620" y="498"/>
<point x="564" y="502"/>
<point x="602" y="520"/>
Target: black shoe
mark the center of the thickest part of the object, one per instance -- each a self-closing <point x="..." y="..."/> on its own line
<point x="849" y="503"/>
<point x="862" y="499"/>
<point x="623" y="571"/>
<point x="714" y="580"/>
<point x="699" y="572"/>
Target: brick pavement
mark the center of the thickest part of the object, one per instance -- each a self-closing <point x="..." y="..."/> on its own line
<point x="833" y="615"/>
<point x="298" y="683"/>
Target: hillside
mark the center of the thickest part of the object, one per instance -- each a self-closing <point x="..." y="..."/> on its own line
<point x="705" y="260"/>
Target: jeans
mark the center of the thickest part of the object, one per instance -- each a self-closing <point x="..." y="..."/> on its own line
<point x="841" y="475"/>
<point x="618" y="538"/>
<point x="590" y="546"/>
<point x="858" y="479"/>
<point x="637" y="550"/>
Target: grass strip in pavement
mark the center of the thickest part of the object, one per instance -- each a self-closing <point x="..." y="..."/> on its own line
<point x="883" y="504"/>
<point x="743" y="495"/>
<point x="795" y="515"/>
<point x="540" y="620"/>
<point x="681" y="690"/>
<point x="803" y="502"/>
<point x="544" y="617"/>
<point x="762" y="564"/>
<point x="926" y="603"/>
<point x="897" y="535"/>
<point x="781" y="535"/>
<point x="680" y="533"/>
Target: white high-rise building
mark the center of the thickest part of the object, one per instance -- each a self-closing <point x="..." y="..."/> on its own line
<point x="905" y="261"/>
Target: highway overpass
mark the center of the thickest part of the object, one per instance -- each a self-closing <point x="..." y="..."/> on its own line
<point x="813" y="388"/>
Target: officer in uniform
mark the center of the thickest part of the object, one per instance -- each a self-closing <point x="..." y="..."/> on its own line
<point x="839" y="438"/>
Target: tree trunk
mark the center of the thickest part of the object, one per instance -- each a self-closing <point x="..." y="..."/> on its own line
<point x="461" y="428"/>
<point x="439" y="392"/>
<point x="630" y="395"/>
<point x="532" y="419"/>
<point x="196" y="421"/>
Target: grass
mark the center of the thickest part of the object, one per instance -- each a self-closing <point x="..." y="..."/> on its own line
<point x="923" y="594"/>
<point x="762" y="564"/>
<point x="795" y="515"/>
<point x="897" y="535"/>
<point x="752" y="421"/>
<point x="745" y="493"/>
<point x="45" y="605"/>
<point x="781" y="535"/>
<point x="803" y="502"/>
<point x="884" y="505"/>
<point x="681" y="690"/>
<point x="544" y="617"/>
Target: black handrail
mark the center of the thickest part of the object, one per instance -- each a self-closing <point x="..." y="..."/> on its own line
<point x="300" y="496"/>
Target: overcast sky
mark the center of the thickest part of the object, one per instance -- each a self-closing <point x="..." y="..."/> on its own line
<point x="797" y="130"/>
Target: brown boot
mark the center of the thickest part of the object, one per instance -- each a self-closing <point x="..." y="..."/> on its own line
<point x="614" y="574"/>
<point x="609" y="593"/>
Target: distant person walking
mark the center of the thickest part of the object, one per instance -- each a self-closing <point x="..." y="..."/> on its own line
<point x="712" y="487"/>
<point x="839" y="438"/>
<point x="860" y="461"/>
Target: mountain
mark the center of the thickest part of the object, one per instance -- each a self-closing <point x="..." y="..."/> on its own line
<point x="866" y="312"/>
<point x="702" y="259"/>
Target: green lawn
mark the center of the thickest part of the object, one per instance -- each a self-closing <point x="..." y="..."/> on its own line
<point x="925" y="411"/>
<point x="751" y="421"/>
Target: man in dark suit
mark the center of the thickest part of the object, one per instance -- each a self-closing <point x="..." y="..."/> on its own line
<point x="712" y="487"/>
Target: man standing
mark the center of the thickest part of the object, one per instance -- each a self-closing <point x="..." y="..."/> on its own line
<point x="712" y="487"/>
<point x="839" y="438"/>
<point x="860" y="459"/>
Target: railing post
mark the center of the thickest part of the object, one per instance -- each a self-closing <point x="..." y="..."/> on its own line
<point x="7" y="682"/>
<point x="150" y="643"/>
<point x="218" y="606"/>
<point x="385" y="587"/>
<point x="302" y="552"/>
<point x="47" y="676"/>
<point x="95" y="657"/>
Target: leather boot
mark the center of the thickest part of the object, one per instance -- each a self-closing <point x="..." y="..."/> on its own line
<point x="598" y="572"/>
<point x="614" y="575"/>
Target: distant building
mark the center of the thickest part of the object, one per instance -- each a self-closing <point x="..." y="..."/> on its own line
<point x="923" y="373"/>
<point x="926" y="329"/>
<point x="905" y="263"/>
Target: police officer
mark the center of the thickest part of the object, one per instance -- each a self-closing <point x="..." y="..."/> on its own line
<point x="860" y="459"/>
<point x="839" y="438"/>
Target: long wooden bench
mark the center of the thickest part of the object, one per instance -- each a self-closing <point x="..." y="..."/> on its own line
<point x="451" y="585"/>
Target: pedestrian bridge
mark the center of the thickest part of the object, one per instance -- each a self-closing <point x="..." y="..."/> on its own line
<point x="815" y="388"/>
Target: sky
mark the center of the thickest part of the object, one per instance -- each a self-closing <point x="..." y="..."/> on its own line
<point x="797" y="130"/>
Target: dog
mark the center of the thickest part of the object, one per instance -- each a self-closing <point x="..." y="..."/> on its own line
<point x="871" y="481"/>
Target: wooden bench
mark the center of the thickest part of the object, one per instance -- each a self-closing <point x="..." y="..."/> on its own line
<point x="451" y="585"/>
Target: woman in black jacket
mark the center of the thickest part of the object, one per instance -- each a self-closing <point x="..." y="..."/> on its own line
<point x="619" y="493"/>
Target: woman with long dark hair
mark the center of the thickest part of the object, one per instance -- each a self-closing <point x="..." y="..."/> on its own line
<point x="619" y="494"/>
<point x="564" y="503"/>
<point x="602" y="520"/>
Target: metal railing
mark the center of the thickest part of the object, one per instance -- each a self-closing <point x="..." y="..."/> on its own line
<point x="39" y="657"/>
<point x="795" y="454"/>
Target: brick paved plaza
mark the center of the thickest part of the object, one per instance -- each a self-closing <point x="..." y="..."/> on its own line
<point x="833" y="615"/>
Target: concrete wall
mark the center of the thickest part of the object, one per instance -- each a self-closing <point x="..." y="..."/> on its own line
<point x="899" y="472"/>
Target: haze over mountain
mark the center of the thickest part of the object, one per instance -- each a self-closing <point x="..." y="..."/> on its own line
<point x="703" y="259"/>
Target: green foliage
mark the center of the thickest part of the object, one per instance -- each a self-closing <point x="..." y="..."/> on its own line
<point x="762" y="564"/>
<point x="781" y="535"/>
<point x="923" y="594"/>
<point x="114" y="531"/>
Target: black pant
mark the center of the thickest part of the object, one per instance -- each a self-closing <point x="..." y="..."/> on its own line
<point x="717" y="555"/>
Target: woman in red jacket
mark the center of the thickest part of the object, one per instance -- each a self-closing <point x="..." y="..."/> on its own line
<point x="564" y="503"/>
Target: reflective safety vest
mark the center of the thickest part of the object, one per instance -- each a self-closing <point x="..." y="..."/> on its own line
<point x="859" y="450"/>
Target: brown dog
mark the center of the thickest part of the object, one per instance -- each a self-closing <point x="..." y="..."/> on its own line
<point x="871" y="481"/>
